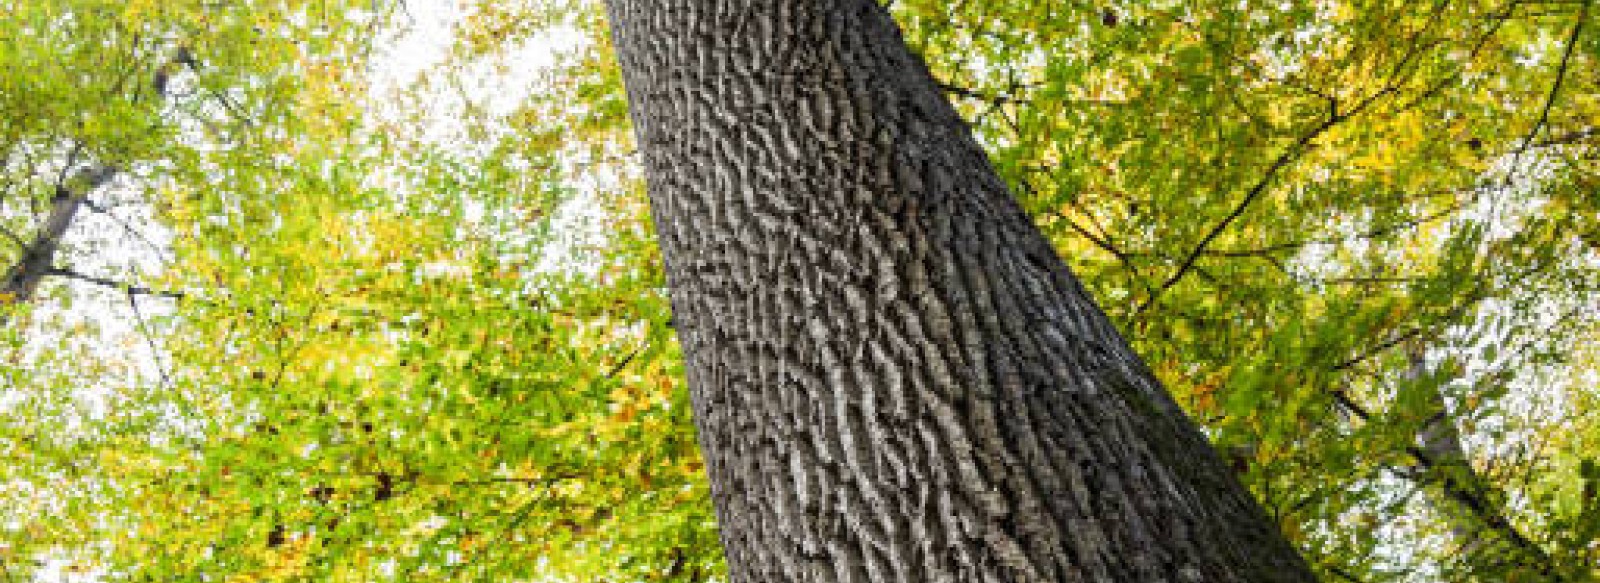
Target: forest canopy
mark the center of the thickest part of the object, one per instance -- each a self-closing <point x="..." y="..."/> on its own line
<point x="369" y="291"/>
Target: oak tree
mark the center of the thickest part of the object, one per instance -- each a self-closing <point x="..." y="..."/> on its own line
<point x="895" y="377"/>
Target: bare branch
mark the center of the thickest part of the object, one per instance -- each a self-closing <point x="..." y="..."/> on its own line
<point x="114" y="284"/>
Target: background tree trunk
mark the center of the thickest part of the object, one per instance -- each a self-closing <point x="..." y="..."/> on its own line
<point x="1469" y="502"/>
<point x="895" y="377"/>
<point x="37" y="260"/>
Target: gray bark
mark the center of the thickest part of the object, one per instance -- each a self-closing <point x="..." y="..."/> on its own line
<point x="37" y="260"/>
<point x="1469" y="502"/>
<point x="894" y="376"/>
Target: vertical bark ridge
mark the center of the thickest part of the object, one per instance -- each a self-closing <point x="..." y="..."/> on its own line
<point x="894" y="376"/>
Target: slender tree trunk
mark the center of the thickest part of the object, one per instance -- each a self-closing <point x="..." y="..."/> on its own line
<point x="1469" y="502"/>
<point x="894" y="376"/>
<point x="37" y="260"/>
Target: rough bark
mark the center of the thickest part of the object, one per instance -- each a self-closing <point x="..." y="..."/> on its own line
<point x="894" y="376"/>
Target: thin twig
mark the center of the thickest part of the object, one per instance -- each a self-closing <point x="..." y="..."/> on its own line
<point x="149" y="338"/>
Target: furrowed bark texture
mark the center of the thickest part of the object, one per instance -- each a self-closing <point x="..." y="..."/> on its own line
<point x="894" y="376"/>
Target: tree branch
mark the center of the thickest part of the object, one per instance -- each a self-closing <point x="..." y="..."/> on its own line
<point x="1561" y="75"/>
<point x="113" y="284"/>
<point x="1283" y="160"/>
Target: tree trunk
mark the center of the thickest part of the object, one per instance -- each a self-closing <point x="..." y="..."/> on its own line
<point x="37" y="260"/>
<point x="894" y="376"/>
<point x="1469" y="502"/>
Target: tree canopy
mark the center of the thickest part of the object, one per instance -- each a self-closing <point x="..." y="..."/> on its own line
<point x="283" y="304"/>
